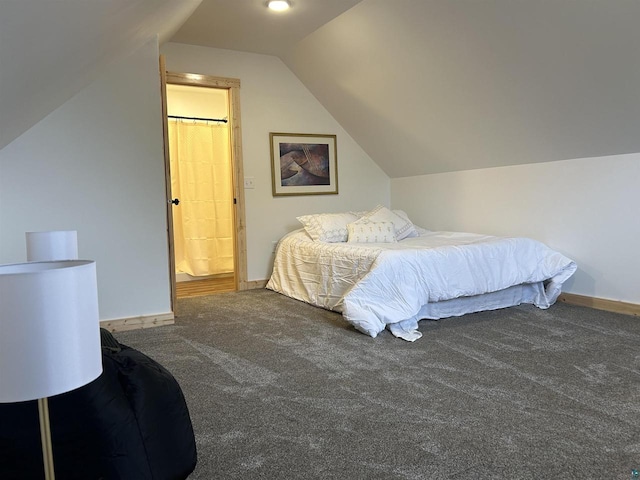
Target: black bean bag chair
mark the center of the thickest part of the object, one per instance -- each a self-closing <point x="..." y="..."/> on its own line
<point x="131" y="423"/>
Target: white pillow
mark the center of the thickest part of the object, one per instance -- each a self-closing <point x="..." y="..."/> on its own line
<point x="328" y="227"/>
<point x="371" y="232"/>
<point x="403" y="226"/>
<point x="413" y="232"/>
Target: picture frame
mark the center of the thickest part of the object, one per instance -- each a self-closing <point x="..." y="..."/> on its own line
<point x="303" y="164"/>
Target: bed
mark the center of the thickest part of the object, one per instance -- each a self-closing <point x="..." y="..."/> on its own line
<point x="381" y="271"/>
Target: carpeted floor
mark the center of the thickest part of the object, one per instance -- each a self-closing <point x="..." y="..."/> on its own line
<point x="278" y="389"/>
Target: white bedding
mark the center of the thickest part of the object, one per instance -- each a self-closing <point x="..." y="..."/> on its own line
<point x="434" y="275"/>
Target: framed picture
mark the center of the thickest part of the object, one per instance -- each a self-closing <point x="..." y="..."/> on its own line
<point x="303" y="164"/>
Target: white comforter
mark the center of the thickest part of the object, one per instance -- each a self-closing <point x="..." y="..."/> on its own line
<point x="434" y="275"/>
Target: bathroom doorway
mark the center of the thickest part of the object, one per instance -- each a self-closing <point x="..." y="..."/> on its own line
<point x="206" y="200"/>
<point x="201" y="180"/>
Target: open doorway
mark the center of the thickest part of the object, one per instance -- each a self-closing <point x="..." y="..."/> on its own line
<point x="202" y="183"/>
<point x="210" y="260"/>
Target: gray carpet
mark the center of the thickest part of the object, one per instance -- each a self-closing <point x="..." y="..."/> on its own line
<point x="278" y="389"/>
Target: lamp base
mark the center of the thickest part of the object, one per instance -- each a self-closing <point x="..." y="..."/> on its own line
<point x="45" y="438"/>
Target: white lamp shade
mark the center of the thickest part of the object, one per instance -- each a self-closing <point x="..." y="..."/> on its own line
<point x="54" y="245"/>
<point x="49" y="329"/>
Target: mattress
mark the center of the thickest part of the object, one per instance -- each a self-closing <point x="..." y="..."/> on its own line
<point x="434" y="275"/>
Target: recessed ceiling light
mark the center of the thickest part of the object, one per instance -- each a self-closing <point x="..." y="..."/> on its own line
<point x="278" y="5"/>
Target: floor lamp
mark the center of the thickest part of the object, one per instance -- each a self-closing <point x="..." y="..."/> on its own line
<point x="46" y="306"/>
<point x="52" y="245"/>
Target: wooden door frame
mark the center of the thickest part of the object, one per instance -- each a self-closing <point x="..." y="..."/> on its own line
<point x="237" y="169"/>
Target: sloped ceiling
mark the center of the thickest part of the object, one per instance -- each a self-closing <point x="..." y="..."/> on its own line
<point x="424" y="86"/>
<point x="246" y="25"/>
<point x="444" y="85"/>
<point x="51" y="50"/>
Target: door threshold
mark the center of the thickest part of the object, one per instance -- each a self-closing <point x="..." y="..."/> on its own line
<point x="207" y="286"/>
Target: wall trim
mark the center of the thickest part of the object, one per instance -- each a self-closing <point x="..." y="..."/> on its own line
<point x="136" y="323"/>
<point x="150" y="321"/>
<point x="255" y="284"/>
<point x="239" y="216"/>
<point x="600" y="304"/>
<point x="614" y="306"/>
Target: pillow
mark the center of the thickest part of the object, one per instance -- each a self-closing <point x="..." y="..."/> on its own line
<point x="328" y="227"/>
<point x="413" y="232"/>
<point x="371" y="232"/>
<point x="404" y="227"/>
<point x="359" y="214"/>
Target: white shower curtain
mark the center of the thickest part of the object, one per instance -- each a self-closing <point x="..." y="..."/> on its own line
<point x="201" y="178"/>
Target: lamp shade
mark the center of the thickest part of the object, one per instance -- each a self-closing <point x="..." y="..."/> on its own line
<point x="54" y="245"/>
<point x="49" y="329"/>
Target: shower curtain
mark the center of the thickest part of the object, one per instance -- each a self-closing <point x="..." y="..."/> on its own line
<point x="200" y="162"/>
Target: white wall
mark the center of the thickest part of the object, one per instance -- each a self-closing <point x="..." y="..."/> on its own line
<point x="187" y="101"/>
<point x="96" y="165"/>
<point x="274" y="100"/>
<point x="585" y="208"/>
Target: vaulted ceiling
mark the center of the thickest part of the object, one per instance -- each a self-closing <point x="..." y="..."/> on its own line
<point x="443" y="85"/>
<point x="423" y="86"/>
<point x="50" y="50"/>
